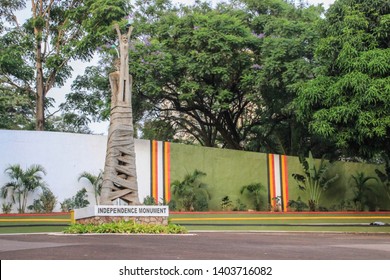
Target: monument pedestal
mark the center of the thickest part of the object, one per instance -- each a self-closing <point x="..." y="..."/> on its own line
<point x="140" y="214"/>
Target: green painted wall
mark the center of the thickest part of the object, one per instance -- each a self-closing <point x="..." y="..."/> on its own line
<point x="342" y="190"/>
<point x="228" y="170"/>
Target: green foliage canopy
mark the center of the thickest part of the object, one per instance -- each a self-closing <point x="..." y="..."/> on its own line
<point x="192" y="61"/>
<point x="285" y="57"/>
<point x="35" y="55"/>
<point x="348" y="100"/>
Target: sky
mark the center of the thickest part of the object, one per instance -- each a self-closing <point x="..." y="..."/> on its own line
<point x="102" y="127"/>
<point x="314" y="2"/>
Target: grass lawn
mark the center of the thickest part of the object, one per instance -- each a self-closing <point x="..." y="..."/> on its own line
<point x="34" y="223"/>
<point x="243" y="221"/>
<point x="235" y="221"/>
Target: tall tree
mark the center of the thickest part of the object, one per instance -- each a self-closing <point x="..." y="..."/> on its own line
<point x="190" y="66"/>
<point x="56" y="33"/>
<point x="348" y="100"/>
<point x="221" y="76"/>
<point x="286" y="52"/>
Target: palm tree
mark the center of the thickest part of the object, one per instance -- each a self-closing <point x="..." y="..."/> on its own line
<point x="23" y="182"/>
<point x="95" y="181"/>
<point x="191" y="193"/>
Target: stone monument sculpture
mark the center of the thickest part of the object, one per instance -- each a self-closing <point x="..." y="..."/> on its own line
<point x="120" y="176"/>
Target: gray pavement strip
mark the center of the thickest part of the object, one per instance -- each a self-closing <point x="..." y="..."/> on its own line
<point x="120" y="234"/>
<point x="11" y="245"/>
<point x="378" y="247"/>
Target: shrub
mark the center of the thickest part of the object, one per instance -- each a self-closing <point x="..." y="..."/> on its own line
<point x="45" y="203"/>
<point x="6" y="207"/>
<point x="172" y="205"/>
<point x="149" y="200"/>
<point x="78" y="201"/>
<point x="362" y="193"/>
<point x="126" y="228"/>
<point x="239" y="206"/>
<point x="191" y="194"/>
<point x="298" y="205"/>
<point x="67" y="205"/>
<point x="201" y="202"/>
<point x="226" y="203"/>
<point x="385" y="176"/>
<point x="253" y="190"/>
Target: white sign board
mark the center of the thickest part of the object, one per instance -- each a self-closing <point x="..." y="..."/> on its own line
<point x="122" y="211"/>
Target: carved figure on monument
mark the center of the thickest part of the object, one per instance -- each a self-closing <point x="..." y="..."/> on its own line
<point x="120" y="176"/>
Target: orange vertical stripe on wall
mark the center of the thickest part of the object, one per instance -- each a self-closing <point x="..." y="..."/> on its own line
<point x="271" y="168"/>
<point x="167" y="171"/>
<point x="284" y="172"/>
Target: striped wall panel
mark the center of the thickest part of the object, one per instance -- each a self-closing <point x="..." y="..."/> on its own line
<point x="167" y="171"/>
<point x="160" y="162"/>
<point x="277" y="180"/>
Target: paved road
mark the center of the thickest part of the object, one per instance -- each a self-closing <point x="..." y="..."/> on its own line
<point x="197" y="246"/>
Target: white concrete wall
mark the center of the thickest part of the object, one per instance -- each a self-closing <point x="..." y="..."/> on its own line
<point x="65" y="156"/>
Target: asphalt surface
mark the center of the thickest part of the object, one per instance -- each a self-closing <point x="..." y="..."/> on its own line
<point x="197" y="246"/>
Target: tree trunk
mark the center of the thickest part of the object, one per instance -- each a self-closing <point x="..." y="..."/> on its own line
<point x="40" y="99"/>
<point x="40" y="86"/>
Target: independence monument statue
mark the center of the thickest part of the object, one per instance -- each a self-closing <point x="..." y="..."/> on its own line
<point x="120" y="176"/>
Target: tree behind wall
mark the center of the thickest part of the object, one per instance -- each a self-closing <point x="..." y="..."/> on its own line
<point x="55" y="33"/>
<point x="219" y="76"/>
<point x="348" y="100"/>
<point x="190" y="67"/>
<point x="285" y="58"/>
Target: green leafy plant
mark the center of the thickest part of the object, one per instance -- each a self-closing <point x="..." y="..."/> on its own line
<point x="226" y="203"/>
<point x="67" y="205"/>
<point x="191" y="194"/>
<point x="278" y="203"/>
<point x="201" y="202"/>
<point x="78" y="201"/>
<point x="314" y="181"/>
<point x="172" y="205"/>
<point x="239" y="206"/>
<point x="254" y="192"/>
<point x="346" y="205"/>
<point x="125" y="227"/>
<point x="149" y="200"/>
<point x="6" y="207"/>
<point x="385" y="176"/>
<point x="23" y="182"/>
<point x="298" y="205"/>
<point x="361" y="191"/>
<point x="96" y="181"/>
<point x="45" y="203"/>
